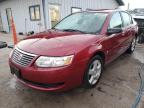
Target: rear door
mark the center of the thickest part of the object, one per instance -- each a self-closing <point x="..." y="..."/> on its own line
<point x="127" y="30"/>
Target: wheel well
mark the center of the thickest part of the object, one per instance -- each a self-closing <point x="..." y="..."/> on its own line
<point x="136" y="35"/>
<point x="101" y="54"/>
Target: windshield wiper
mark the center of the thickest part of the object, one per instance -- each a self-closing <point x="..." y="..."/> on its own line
<point x="56" y="29"/>
<point x="73" y="30"/>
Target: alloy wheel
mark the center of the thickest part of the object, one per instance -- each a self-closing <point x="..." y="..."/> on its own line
<point x="94" y="72"/>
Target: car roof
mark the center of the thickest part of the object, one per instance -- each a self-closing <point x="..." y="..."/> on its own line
<point x="104" y="10"/>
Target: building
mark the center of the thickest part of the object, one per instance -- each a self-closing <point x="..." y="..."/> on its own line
<point x="38" y="15"/>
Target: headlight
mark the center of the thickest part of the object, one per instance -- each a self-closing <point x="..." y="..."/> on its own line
<point x="54" y="61"/>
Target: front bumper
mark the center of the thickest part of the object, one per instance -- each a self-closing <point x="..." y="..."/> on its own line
<point x="51" y="79"/>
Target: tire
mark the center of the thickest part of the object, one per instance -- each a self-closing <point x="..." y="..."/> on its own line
<point x="89" y="80"/>
<point x="132" y="46"/>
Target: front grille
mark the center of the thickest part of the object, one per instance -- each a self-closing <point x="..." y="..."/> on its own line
<point x="22" y="58"/>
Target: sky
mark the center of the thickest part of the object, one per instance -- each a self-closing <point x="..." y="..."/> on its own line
<point x="133" y="4"/>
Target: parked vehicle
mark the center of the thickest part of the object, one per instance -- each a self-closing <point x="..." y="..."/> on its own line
<point x="3" y="44"/>
<point x="74" y="52"/>
<point x="140" y="21"/>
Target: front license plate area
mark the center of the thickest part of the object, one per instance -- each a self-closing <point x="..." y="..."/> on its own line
<point x="15" y="71"/>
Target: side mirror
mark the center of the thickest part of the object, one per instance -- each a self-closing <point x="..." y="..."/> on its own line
<point x="114" y="30"/>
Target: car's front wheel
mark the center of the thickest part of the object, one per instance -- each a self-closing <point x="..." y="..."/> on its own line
<point x="132" y="46"/>
<point x="93" y="72"/>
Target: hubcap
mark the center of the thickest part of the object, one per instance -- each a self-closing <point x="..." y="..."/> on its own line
<point x="133" y="44"/>
<point x="95" y="72"/>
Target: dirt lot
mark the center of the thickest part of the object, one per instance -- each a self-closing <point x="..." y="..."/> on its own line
<point x="118" y="87"/>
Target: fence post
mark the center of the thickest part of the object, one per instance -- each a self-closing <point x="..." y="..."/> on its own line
<point x="15" y="40"/>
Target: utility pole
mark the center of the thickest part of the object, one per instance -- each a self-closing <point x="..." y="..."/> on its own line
<point x="128" y="6"/>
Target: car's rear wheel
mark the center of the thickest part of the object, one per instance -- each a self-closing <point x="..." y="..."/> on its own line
<point x="93" y="72"/>
<point x="132" y="46"/>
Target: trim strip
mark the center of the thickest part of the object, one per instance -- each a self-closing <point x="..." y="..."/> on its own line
<point x="25" y="52"/>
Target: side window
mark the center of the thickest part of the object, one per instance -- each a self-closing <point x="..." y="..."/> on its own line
<point x="116" y="21"/>
<point x="126" y="19"/>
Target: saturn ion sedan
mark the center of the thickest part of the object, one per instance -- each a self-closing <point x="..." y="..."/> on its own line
<point x="75" y="51"/>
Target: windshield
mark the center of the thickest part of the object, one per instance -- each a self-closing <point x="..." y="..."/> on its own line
<point x="87" y="22"/>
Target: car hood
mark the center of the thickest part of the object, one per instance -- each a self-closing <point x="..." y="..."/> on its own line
<point x="58" y="44"/>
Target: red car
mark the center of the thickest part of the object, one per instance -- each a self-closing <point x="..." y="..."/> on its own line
<point x="74" y="52"/>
